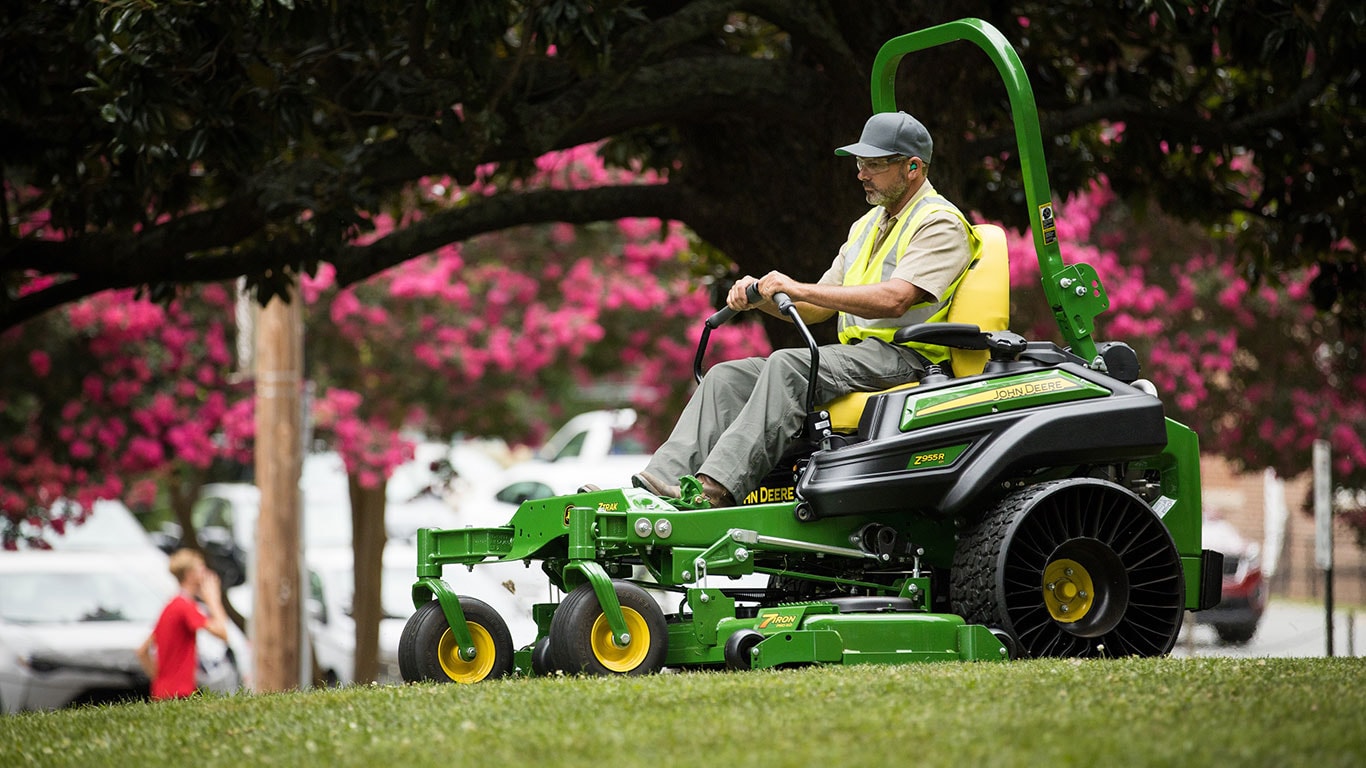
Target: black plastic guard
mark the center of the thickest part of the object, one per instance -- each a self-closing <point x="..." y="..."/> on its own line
<point x="1211" y="579"/>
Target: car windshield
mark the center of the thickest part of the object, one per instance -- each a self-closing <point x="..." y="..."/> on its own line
<point x="71" y="597"/>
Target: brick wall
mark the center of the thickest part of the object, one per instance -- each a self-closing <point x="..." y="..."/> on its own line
<point x="1240" y="498"/>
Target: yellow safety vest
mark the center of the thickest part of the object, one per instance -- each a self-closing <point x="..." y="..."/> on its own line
<point x="864" y="267"/>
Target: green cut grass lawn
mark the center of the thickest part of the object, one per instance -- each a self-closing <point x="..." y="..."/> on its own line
<point x="1126" y="712"/>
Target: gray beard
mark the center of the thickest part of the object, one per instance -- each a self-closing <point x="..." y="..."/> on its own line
<point x="889" y="195"/>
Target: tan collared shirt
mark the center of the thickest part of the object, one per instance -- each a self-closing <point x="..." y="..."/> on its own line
<point x="932" y="259"/>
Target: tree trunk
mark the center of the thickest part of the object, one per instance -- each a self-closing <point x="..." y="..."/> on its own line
<point x="183" y="496"/>
<point x="367" y="545"/>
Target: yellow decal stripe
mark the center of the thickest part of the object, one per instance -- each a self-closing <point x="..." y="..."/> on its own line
<point x="961" y="402"/>
<point x="1041" y="386"/>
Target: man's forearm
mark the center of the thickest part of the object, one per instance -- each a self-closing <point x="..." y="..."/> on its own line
<point x="881" y="300"/>
<point x="218" y="619"/>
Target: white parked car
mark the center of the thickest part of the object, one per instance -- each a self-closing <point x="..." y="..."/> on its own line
<point x="593" y="435"/>
<point x="112" y="530"/>
<point x="594" y="448"/>
<point x="420" y="493"/>
<point x="71" y="624"/>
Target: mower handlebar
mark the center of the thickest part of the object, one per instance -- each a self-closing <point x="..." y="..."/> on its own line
<point x="724" y="314"/>
<point x="784" y="302"/>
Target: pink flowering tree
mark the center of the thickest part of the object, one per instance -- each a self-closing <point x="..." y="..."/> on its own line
<point x="112" y="398"/>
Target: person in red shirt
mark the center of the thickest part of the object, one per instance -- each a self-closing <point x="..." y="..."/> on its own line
<point x="173" y="638"/>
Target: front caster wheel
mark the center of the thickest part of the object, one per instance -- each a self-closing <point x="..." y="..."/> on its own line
<point x="581" y="640"/>
<point x="739" y="647"/>
<point x="427" y="650"/>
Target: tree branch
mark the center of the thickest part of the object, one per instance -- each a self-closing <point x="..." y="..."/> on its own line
<point x="1243" y="129"/>
<point x="143" y="256"/>
<point x="31" y="305"/>
<point x="355" y="263"/>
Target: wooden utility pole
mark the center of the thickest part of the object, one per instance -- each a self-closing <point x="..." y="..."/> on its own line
<point x="276" y="623"/>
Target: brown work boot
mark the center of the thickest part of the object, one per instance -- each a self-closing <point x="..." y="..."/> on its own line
<point x="715" y="492"/>
<point x="656" y="486"/>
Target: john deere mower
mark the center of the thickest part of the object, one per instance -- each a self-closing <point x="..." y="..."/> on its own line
<point x="1027" y="499"/>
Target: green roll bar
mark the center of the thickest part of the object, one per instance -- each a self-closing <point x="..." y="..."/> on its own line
<point x="1074" y="292"/>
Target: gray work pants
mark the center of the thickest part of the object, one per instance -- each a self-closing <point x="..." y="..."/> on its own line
<point x="745" y="414"/>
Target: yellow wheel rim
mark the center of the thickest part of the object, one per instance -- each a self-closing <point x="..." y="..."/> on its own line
<point x="611" y="656"/>
<point x="456" y="668"/>
<point x="1068" y="591"/>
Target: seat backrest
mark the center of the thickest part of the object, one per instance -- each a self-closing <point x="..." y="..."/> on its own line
<point x="982" y="299"/>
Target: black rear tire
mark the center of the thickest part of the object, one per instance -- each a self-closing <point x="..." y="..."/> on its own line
<point x="1072" y="568"/>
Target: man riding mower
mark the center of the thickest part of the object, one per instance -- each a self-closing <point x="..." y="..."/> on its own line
<point x="1018" y="499"/>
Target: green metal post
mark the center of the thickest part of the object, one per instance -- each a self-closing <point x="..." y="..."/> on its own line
<point x="428" y="587"/>
<point x="593" y="573"/>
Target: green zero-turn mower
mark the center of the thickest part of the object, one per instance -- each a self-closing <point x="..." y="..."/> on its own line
<point x="1024" y="500"/>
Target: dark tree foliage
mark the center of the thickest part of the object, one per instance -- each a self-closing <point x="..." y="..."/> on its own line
<point x="187" y="140"/>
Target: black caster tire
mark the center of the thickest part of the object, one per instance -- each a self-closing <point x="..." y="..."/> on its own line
<point x="427" y="649"/>
<point x="738" y="647"/>
<point x="1072" y="568"/>
<point x="581" y="640"/>
<point x="541" y="663"/>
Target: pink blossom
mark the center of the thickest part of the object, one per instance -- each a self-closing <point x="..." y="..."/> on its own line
<point x="35" y="283"/>
<point x="143" y="493"/>
<point x="41" y="364"/>
<point x="121" y="393"/>
<point x="216" y="295"/>
<point x="82" y="315"/>
<point x="312" y="286"/>
<point x="562" y="234"/>
<point x="344" y="306"/>
<point x="143" y="453"/>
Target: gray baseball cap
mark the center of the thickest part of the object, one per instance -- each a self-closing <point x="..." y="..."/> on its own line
<point x="891" y="133"/>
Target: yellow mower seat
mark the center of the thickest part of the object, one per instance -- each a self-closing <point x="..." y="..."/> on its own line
<point x="982" y="299"/>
